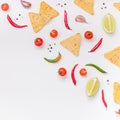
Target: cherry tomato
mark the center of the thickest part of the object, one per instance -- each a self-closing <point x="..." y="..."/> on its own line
<point x="88" y="35"/>
<point x="5" y="6"/>
<point x="53" y="33"/>
<point x="62" y="71"/>
<point x="83" y="72"/>
<point x="38" y="41"/>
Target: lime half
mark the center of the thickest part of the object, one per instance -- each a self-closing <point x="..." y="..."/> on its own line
<point x="109" y="23"/>
<point x="92" y="86"/>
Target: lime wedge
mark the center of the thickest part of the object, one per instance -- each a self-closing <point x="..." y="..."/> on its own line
<point x="109" y="23"/>
<point x="92" y="86"/>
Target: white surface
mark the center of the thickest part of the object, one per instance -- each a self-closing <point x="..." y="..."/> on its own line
<point x="30" y="88"/>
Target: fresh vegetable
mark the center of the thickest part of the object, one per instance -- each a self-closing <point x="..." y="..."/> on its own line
<point x="53" y="33"/>
<point x="118" y="111"/>
<point x="62" y="71"/>
<point x="96" y="67"/>
<point x="14" y="24"/>
<point x="5" y="6"/>
<point x="55" y="59"/>
<point x="80" y="19"/>
<point x="73" y="75"/>
<point x="83" y="72"/>
<point x="96" y="45"/>
<point x="109" y="24"/>
<point x="66" y="20"/>
<point x="88" y="35"/>
<point x="103" y="99"/>
<point x="92" y="86"/>
<point x="25" y="4"/>
<point x="38" y="41"/>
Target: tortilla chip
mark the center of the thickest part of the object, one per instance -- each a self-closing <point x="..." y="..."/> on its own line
<point x="117" y="5"/>
<point x="72" y="44"/>
<point x="114" y="56"/>
<point x="86" y="5"/>
<point x="116" y="92"/>
<point x="38" y="21"/>
<point x="47" y="10"/>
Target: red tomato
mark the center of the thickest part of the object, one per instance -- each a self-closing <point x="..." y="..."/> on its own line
<point x="62" y="71"/>
<point x="53" y="33"/>
<point x="5" y="6"/>
<point x="83" y="72"/>
<point x="88" y="35"/>
<point x="38" y="41"/>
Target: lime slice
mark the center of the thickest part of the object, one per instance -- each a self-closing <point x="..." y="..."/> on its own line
<point x="92" y="86"/>
<point x="109" y="23"/>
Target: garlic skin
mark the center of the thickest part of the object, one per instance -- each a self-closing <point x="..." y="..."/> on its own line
<point x="80" y="18"/>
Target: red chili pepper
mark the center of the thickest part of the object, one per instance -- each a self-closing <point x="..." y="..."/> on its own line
<point x="103" y="99"/>
<point x="96" y="46"/>
<point x="14" y="24"/>
<point x="73" y="75"/>
<point x="66" y="20"/>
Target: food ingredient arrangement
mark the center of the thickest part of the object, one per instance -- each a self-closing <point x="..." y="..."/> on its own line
<point x="72" y="44"/>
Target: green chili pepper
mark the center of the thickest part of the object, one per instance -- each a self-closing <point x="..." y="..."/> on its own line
<point x="55" y="59"/>
<point x="97" y="67"/>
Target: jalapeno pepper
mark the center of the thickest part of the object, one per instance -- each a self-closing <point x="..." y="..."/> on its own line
<point x="97" y="67"/>
<point x="55" y="59"/>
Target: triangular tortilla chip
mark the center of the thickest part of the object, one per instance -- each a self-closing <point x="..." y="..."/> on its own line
<point x="116" y="92"/>
<point x="117" y="5"/>
<point x="114" y="56"/>
<point x="38" y="21"/>
<point x="72" y="44"/>
<point x="86" y="5"/>
<point x="47" y="10"/>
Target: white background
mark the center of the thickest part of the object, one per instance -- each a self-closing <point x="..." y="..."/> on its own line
<point x="30" y="88"/>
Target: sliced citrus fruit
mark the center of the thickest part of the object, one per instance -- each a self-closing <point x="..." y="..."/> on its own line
<point x="92" y="86"/>
<point x="109" y="23"/>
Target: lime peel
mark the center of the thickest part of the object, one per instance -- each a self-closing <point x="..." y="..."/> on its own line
<point x="109" y="23"/>
<point x="92" y="86"/>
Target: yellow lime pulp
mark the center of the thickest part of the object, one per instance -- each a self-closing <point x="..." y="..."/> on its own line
<point x="109" y="23"/>
<point x="92" y="86"/>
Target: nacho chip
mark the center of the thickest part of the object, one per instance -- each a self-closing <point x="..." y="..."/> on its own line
<point x="86" y="5"/>
<point x="38" y="21"/>
<point x="114" y="56"/>
<point x="47" y="10"/>
<point x="117" y="5"/>
<point x="72" y="44"/>
<point x="116" y="92"/>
